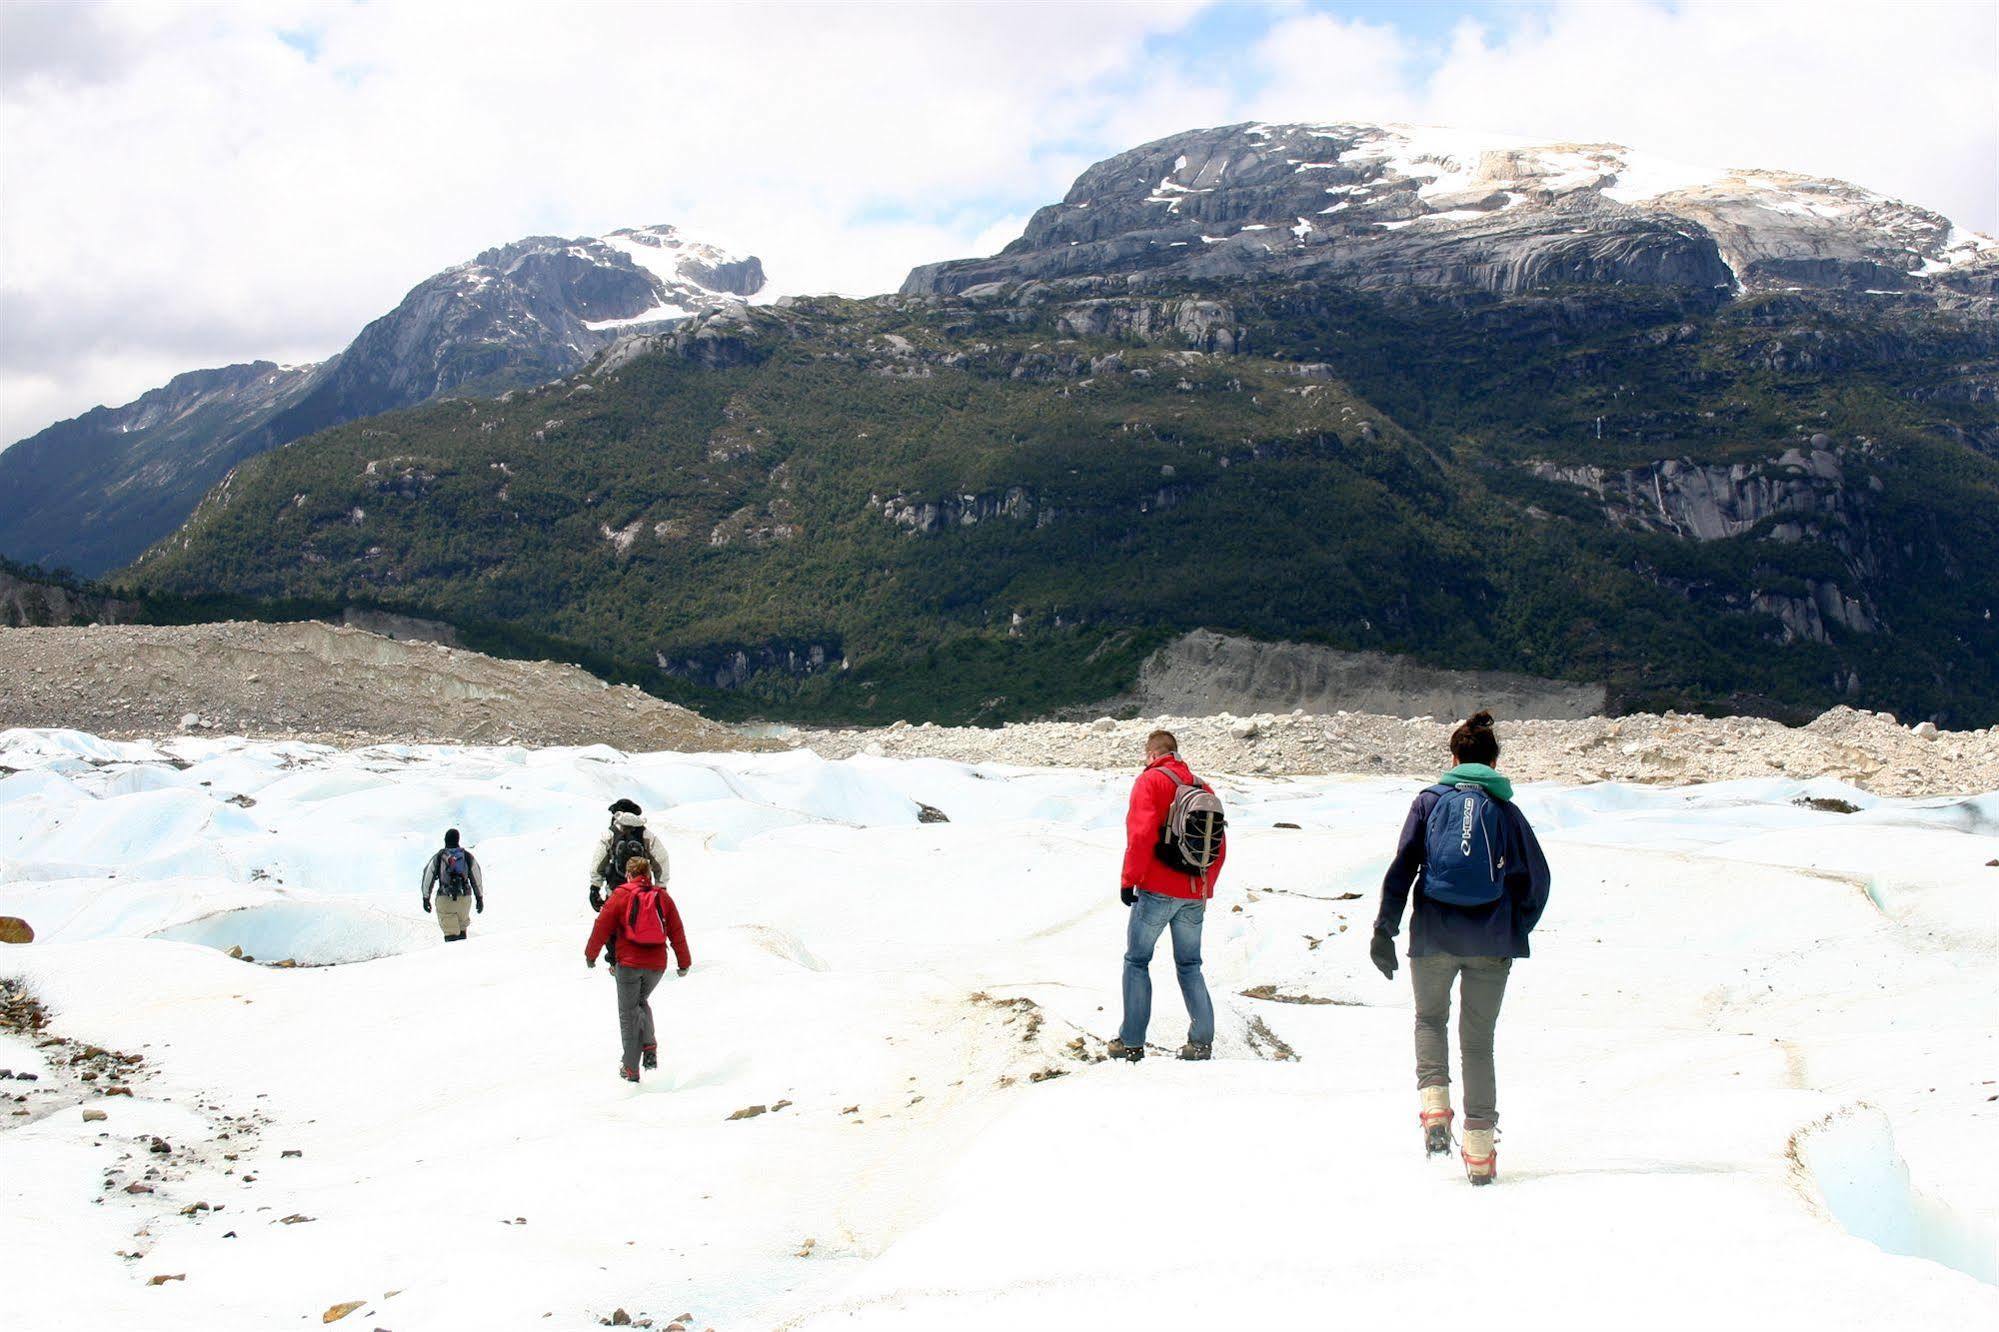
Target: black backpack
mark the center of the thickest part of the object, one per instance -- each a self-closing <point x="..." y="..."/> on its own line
<point x="454" y="872"/>
<point x="1191" y="837"/>
<point x="628" y="842"/>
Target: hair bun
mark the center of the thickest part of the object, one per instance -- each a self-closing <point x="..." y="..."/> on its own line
<point x="1479" y="721"/>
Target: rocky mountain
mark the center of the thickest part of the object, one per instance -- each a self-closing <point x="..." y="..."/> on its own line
<point x="1387" y="206"/>
<point x="1728" y="443"/>
<point x="92" y="492"/>
<point x="32" y="601"/>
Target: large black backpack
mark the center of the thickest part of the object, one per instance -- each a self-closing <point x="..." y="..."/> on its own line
<point x="627" y="843"/>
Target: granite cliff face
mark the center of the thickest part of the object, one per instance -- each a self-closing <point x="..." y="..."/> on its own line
<point x="1383" y="207"/>
<point x="93" y="492"/>
<point x="1804" y="495"/>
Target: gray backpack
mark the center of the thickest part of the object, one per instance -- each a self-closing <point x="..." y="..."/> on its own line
<point x="1191" y="837"/>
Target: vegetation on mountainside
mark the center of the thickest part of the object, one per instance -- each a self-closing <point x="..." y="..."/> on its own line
<point x="1089" y="497"/>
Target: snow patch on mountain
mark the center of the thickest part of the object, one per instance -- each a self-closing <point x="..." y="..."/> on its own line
<point x="1500" y="212"/>
<point x="677" y="265"/>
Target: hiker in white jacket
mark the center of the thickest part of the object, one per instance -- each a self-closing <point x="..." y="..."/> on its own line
<point x="453" y="879"/>
<point x="627" y="836"/>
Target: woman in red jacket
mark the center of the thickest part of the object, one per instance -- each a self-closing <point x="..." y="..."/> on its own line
<point x="638" y="921"/>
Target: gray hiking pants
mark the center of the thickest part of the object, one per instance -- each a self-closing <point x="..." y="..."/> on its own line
<point x="635" y="987"/>
<point x="1483" y="987"/>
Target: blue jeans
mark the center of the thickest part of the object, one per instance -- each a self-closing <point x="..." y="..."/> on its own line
<point x="1151" y="915"/>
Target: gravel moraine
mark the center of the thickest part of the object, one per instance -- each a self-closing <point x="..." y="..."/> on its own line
<point x="1870" y="750"/>
<point x="345" y="686"/>
<point x="313" y="681"/>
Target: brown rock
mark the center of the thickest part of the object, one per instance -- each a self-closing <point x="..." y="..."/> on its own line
<point x="92" y="1116"/>
<point x="750" y="1112"/>
<point x="14" y="930"/>
<point x="162" y="1279"/>
<point x="340" y="1311"/>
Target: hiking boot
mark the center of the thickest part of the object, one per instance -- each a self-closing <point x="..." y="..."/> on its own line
<point x="1481" y="1155"/>
<point x="1119" y="1050"/>
<point x="1192" y="1050"/>
<point x="649" y="1057"/>
<point x="1436" y="1117"/>
<point x="628" y="1074"/>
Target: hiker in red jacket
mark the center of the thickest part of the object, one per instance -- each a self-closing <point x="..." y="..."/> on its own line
<point x="1173" y="854"/>
<point x="638" y="921"/>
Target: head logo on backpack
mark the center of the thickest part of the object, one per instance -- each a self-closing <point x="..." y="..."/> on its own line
<point x="645" y="918"/>
<point x="1191" y="838"/>
<point x="454" y="872"/>
<point x="1463" y="862"/>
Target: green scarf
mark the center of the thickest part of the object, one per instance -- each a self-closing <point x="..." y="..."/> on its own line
<point x="1478" y="774"/>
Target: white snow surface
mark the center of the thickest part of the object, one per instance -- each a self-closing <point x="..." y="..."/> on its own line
<point x="1459" y="166"/>
<point x="1746" y="1077"/>
<point x="663" y="252"/>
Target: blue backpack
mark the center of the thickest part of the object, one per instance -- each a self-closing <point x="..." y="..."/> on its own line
<point x="1464" y="860"/>
<point x="454" y="872"/>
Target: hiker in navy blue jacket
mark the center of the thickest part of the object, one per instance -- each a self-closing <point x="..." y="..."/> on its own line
<point x="1480" y="884"/>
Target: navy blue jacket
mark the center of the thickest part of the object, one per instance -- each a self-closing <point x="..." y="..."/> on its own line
<point x="1498" y="929"/>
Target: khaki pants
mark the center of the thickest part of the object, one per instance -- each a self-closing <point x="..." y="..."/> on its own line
<point x="453" y="913"/>
<point x="1480" y="993"/>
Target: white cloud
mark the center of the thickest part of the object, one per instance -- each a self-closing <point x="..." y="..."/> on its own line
<point x="184" y="188"/>
<point x="180" y="179"/>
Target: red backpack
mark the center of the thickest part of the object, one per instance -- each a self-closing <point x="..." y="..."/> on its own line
<point x="645" y="918"/>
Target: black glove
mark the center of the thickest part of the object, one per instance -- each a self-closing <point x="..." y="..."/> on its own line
<point x="479" y="905"/>
<point x="1128" y="896"/>
<point x="596" y="898"/>
<point x="1382" y="952"/>
<point x="426" y="906"/>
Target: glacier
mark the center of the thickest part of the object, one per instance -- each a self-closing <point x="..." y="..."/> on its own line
<point x="1744" y="1077"/>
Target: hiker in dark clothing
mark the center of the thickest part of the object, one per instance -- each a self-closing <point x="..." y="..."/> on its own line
<point x="638" y="922"/>
<point x="1480" y="884"/>
<point x="453" y="877"/>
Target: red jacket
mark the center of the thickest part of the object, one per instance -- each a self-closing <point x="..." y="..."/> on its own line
<point x="646" y="957"/>
<point x="1151" y="798"/>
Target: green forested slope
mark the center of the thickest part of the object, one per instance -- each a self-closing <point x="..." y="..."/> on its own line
<point x="1363" y="472"/>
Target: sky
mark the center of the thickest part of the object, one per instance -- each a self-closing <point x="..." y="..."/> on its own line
<point x="194" y="184"/>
